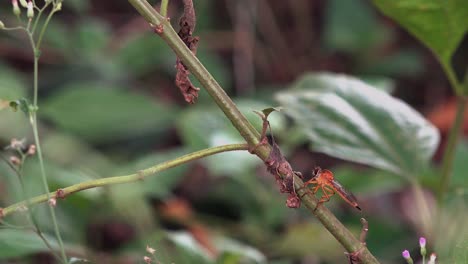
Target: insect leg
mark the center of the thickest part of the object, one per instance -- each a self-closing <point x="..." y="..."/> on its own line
<point x="327" y="193"/>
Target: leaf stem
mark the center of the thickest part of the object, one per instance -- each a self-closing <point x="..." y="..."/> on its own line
<point x="44" y="27"/>
<point x="454" y="83"/>
<point x="46" y="185"/>
<point x="33" y="120"/>
<point x="164" y="4"/>
<point x="39" y="14"/>
<point x="449" y="153"/>
<point x="247" y="131"/>
<point x="139" y="176"/>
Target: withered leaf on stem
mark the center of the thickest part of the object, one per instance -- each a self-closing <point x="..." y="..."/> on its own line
<point x="278" y="165"/>
<point x="187" y="26"/>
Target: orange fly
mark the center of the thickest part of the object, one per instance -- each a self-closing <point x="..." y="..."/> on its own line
<point x="324" y="179"/>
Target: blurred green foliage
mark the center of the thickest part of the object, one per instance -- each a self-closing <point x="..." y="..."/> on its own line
<point x="108" y="107"/>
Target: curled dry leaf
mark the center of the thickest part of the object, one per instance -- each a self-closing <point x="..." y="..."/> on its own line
<point x="278" y="165"/>
<point x="187" y="26"/>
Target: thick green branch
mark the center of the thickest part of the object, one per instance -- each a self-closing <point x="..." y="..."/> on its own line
<point x="247" y="131"/>
<point x="139" y="176"/>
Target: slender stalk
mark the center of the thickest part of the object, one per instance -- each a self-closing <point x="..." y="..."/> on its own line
<point x="247" y="131"/>
<point x="449" y="154"/>
<point x="139" y="176"/>
<point x="454" y="83"/>
<point x="163" y="10"/>
<point x="44" y="27"/>
<point x="46" y="185"/>
<point x="39" y="14"/>
<point x="33" y="121"/>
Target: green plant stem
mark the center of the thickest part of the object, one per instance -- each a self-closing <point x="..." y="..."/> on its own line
<point x="454" y="83"/>
<point x="449" y="153"/>
<point x="164" y="4"/>
<point x="33" y="121"/>
<point x="44" y="27"/>
<point x="35" y="226"/>
<point x="247" y="131"/>
<point x="139" y="176"/>
<point x="422" y="208"/>
<point x="46" y="187"/>
<point x="39" y="14"/>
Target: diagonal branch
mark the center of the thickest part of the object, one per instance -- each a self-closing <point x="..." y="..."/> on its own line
<point x="247" y="131"/>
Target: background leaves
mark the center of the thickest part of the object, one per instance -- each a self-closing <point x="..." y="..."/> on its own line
<point x="104" y="114"/>
<point x="346" y="118"/>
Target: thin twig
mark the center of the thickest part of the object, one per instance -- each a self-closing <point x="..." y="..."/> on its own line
<point x="139" y="176"/>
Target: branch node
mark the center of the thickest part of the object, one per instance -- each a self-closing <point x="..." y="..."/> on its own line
<point x="354" y="257"/>
<point x="277" y="164"/>
<point x="60" y="193"/>
<point x="159" y="29"/>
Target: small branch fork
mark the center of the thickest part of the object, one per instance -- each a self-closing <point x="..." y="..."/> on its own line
<point x="354" y="256"/>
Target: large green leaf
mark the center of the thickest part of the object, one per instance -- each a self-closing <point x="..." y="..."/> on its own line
<point x="104" y="114"/>
<point x="440" y="25"/>
<point x="133" y="56"/>
<point x="16" y="243"/>
<point x="349" y="119"/>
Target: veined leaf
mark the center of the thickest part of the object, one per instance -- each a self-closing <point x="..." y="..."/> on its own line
<point x="346" y="118"/>
<point x="440" y="25"/>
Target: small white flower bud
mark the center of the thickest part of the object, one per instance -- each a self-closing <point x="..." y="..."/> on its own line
<point x="32" y="150"/>
<point x="30" y="12"/>
<point x="147" y="259"/>
<point x="15" y="160"/>
<point x="2" y="26"/>
<point x="16" y="9"/>
<point x="58" y="7"/>
<point x="17" y="144"/>
<point x="24" y="3"/>
<point x="53" y="202"/>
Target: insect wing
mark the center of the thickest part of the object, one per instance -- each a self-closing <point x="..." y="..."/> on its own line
<point x="347" y="196"/>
